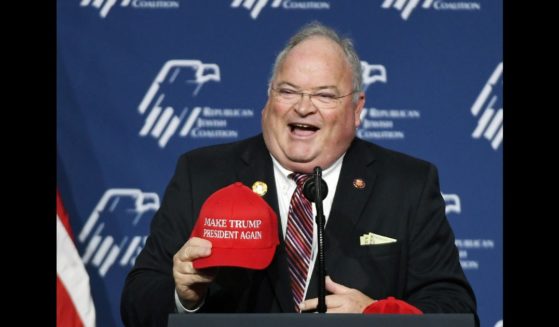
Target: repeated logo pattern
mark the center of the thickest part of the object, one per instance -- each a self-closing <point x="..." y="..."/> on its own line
<point x="452" y="203"/>
<point x="162" y="121"/>
<point x="407" y="7"/>
<point x="117" y="208"/>
<point x="105" y="6"/>
<point x="485" y="108"/>
<point x="255" y="6"/>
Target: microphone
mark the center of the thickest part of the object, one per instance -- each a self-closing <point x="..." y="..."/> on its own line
<point x="315" y="190"/>
<point x="310" y="190"/>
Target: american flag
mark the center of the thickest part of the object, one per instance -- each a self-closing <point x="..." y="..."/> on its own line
<point x="74" y="305"/>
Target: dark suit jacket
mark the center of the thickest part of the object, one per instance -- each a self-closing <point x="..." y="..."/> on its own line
<point x="401" y="200"/>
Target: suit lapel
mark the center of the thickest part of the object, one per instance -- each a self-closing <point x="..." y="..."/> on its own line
<point x="347" y="208"/>
<point x="257" y="166"/>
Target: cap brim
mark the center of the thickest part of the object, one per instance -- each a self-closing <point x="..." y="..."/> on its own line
<point x="245" y="258"/>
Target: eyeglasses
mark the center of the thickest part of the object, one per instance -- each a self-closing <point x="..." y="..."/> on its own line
<point x="324" y="99"/>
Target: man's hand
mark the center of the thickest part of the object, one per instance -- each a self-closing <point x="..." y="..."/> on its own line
<point x="192" y="284"/>
<point x="342" y="300"/>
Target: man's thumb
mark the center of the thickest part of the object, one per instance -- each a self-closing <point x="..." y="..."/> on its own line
<point x="334" y="287"/>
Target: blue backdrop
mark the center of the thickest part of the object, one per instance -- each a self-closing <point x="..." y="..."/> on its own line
<point x="141" y="81"/>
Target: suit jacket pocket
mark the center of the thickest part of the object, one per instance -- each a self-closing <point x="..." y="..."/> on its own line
<point x="375" y="269"/>
<point x="380" y="250"/>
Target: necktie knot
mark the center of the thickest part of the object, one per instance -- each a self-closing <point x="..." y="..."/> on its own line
<point x="299" y="178"/>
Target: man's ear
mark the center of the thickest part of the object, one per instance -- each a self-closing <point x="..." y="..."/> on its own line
<point x="359" y="108"/>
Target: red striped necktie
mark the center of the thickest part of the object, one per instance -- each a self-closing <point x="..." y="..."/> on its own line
<point x="298" y="239"/>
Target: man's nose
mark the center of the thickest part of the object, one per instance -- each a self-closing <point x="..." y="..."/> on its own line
<point x="305" y="106"/>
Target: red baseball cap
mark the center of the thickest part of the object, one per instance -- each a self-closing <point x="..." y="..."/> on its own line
<point x="392" y="305"/>
<point x="242" y="227"/>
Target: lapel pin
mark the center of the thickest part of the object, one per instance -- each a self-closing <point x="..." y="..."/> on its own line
<point x="259" y="188"/>
<point x="358" y="183"/>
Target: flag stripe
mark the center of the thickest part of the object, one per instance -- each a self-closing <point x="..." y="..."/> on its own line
<point x="72" y="276"/>
<point x="66" y="314"/>
<point x="63" y="216"/>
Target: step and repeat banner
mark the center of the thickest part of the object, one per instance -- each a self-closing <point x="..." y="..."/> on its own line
<point x="141" y="81"/>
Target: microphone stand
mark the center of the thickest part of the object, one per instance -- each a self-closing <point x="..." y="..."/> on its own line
<point x="320" y="235"/>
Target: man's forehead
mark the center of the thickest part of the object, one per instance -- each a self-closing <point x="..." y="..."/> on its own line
<point x="317" y="50"/>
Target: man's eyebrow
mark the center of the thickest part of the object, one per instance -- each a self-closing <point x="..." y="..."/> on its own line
<point x="326" y="87"/>
<point x="288" y="84"/>
<point x="318" y="88"/>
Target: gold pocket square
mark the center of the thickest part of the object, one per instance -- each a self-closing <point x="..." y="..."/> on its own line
<point x="374" y="239"/>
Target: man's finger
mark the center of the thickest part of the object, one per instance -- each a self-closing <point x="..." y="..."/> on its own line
<point x="311" y="304"/>
<point x="197" y="241"/>
<point x="198" y="279"/>
<point x="195" y="248"/>
<point x="187" y="268"/>
<point x="194" y="252"/>
<point x="335" y="288"/>
<point x="336" y="310"/>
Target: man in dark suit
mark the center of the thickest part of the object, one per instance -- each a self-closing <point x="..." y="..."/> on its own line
<point x="310" y="118"/>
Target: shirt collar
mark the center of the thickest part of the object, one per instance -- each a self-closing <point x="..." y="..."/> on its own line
<point x="284" y="173"/>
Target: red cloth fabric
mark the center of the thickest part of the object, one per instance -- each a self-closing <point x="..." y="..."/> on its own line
<point x="392" y="305"/>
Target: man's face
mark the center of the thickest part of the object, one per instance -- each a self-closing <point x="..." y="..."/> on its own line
<point x="301" y="135"/>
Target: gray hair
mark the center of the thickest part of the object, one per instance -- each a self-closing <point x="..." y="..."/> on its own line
<point x="313" y="29"/>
